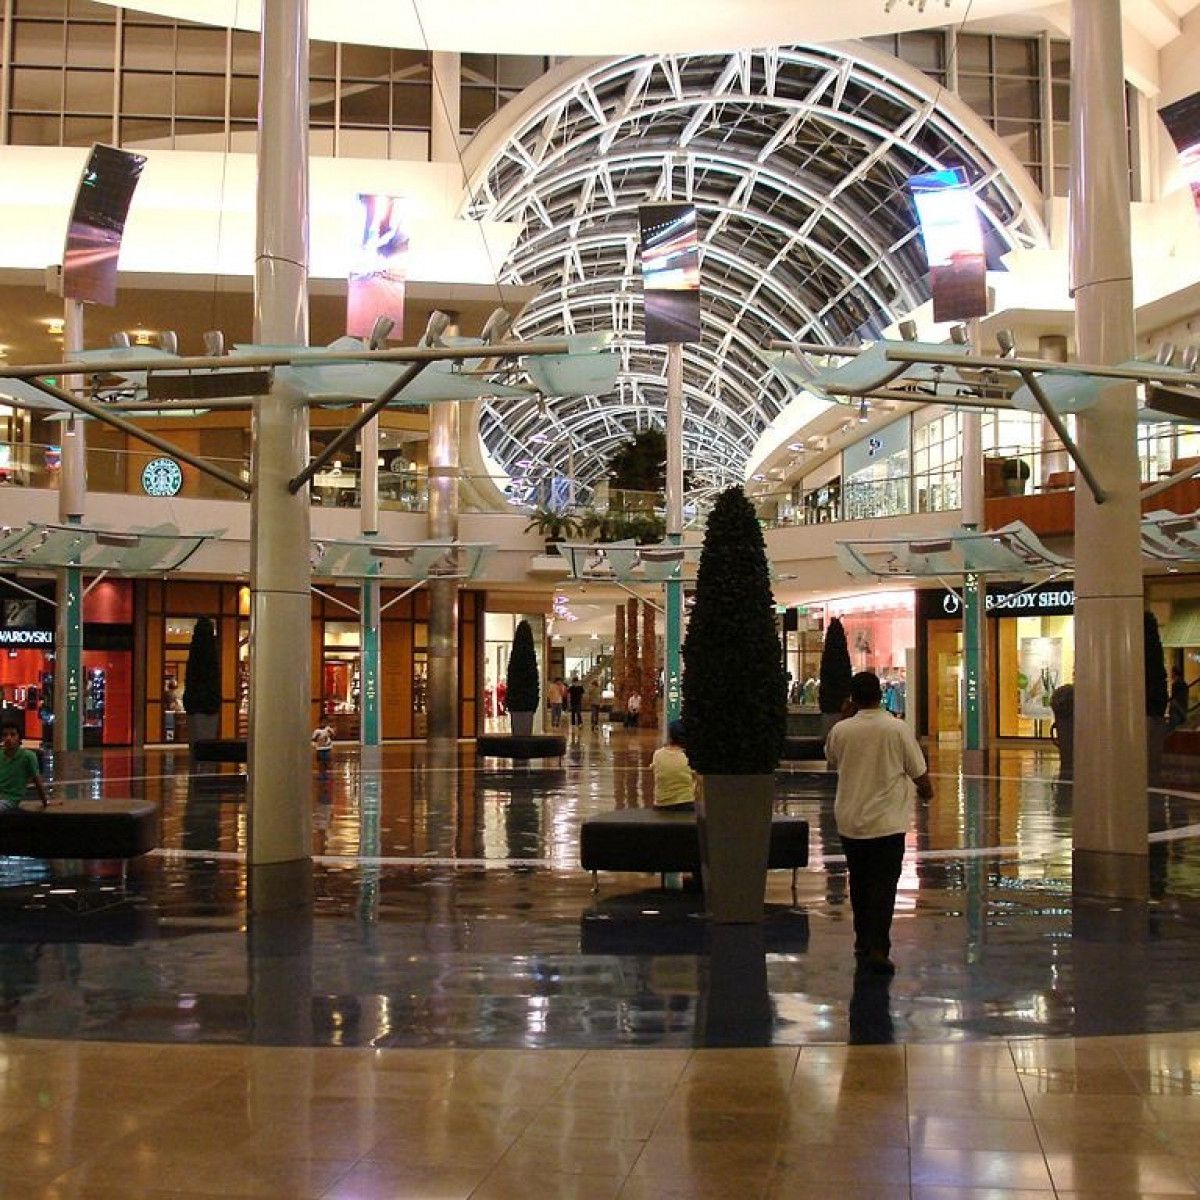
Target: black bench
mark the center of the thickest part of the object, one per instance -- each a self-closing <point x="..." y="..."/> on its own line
<point x="81" y="829"/>
<point x="221" y="750"/>
<point x="803" y="749"/>
<point x="649" y="839"/>
<point x="528" y="745"/>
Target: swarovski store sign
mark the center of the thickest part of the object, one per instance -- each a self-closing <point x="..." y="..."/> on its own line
<point x="20" y="638"/>
<point x="1011" y="600"/>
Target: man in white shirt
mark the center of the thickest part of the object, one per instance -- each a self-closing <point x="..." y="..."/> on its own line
<point x="878" y="763"/>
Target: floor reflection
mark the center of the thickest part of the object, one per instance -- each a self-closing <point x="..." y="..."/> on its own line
<point x="449" y="910"/>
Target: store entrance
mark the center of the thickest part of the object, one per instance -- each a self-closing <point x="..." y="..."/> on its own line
<point x="944" y="665"/>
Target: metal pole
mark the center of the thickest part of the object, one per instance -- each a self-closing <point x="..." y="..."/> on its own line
<point x="673" y="625"/>
<point x="368" y="639"/>
<point x="975" y="669"/>
<point x="68" y="616"/>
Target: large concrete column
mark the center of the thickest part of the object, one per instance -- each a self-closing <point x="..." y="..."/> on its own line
<point x="1110" y="857"/>
<point x="442" y="691"/>
<point x="445" y="106"/>
<point x="68" y="616"/>
<point x="280" y="761"/>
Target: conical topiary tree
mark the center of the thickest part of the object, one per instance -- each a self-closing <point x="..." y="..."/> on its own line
<point x="521" y="679"/>
<point x="734" y="688"/>
<point x="202" y="684"/>
<point x="836" y="671"/>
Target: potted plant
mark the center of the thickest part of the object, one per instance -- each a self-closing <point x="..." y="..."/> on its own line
<point x="1015" y="472"/>
<point x="202" y="685"/>
<point x="1158" y="694"/>
<point x="833" y="688"/>
<point x="554" y="524"/>
<point x="521" y="680"/>
<point x="734" y="708"/>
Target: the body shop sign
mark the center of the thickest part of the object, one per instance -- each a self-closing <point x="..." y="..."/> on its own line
<point x="1010" y="600"/>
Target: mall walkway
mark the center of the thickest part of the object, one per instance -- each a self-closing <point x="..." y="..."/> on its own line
<point x="461" y="1017"/>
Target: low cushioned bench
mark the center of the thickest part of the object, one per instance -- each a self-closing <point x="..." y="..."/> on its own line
<point x="81" y="829"/>
<point x="797" y="748"/>
<point x="650" y="839"/>
<point x="221" y="750"/>
<point x="528" y="745"/>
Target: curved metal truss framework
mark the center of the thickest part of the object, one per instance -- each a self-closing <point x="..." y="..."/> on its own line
<point x="796" y="158"/>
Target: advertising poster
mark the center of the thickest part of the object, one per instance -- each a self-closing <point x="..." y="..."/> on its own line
<point x="670" y="273"/>
<point x="949" y="220"/>
<point x="1182" y="120"/>
<point x="97" y="223"/>
<point x="1039" y="673"/>
<point x="376" y="287"/>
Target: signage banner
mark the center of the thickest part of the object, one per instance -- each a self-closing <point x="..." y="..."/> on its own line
<point x="376" y="287"/>
<point x="1182" y="120"/>
<point x="97" y="224"/>
<point x="670" y="273"/>
<point x="949" y="219"/>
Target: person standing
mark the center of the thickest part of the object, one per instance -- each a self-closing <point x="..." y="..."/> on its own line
<point x="633" y="710"/>
<point x="878" y="763"/>
<point x="322" y="738"/>
<point x="18" y="770"/>
<point x="1177" y="708"/>
<point x="555" y="695"/>
<point x="593" y="703"/>
<point x="575" y="700"/>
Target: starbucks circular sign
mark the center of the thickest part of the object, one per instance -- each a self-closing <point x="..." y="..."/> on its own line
<point x="162" y="477"/>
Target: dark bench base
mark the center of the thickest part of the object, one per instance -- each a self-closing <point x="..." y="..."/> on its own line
<point x="221" y="750"/>
<point x="81" y="829"/>
<point x="803" y="749"/>
<point x="648" y="839"/>
<point x="529" y="745"/>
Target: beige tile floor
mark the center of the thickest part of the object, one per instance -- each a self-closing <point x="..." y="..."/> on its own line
<point x="1110" y="1118"/>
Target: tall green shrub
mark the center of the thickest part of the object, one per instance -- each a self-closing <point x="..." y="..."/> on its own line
<point x="1157" y="691"/>
<point x="202" y="686"/>
<point x="734" y="698"/>
<point x="522" y="677"/>
<point x="836" y="671"/>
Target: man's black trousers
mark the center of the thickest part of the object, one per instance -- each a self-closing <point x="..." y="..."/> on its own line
<point x="874" y="867"/>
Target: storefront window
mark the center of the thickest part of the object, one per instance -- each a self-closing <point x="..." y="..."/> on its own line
<point x="877" y="471"/>
<point x="881" y="630"/>
<point x="340" y="677"/>
<point x="1037" y="654"/>
<point x="937" y="464"/>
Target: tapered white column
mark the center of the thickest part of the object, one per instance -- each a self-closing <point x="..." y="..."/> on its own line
<point x="1110" y="723"/>
<point x="280" y="760"/>
<point x="442" y="692"/>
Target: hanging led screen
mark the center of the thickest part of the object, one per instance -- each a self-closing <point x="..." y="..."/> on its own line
<point x="97" y="223"/>
<point x="670" y="273"/>
<point x="1182" y="120"/>
<point x="949" y="219"/>
<point x="376" y="287"/>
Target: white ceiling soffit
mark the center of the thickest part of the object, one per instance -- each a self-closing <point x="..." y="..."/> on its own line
<point x="797" y="159"/>
<point x="593" y="26"/>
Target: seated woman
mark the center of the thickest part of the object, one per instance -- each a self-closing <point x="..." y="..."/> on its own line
<point x="674" y="781"/>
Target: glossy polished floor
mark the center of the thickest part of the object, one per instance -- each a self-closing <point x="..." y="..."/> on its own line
<point x="462" y="1017"/>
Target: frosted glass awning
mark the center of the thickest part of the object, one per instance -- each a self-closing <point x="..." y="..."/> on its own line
<point x="627" y="562"/>
<point x="1012" y="550"/>
<point x="137" y="551"/>
<point x="369" y="558"/>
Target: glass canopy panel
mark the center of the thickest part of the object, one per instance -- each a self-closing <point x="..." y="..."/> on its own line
<point x="138" y="551"/>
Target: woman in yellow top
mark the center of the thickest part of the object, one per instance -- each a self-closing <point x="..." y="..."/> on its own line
<point x="674" y="782"/>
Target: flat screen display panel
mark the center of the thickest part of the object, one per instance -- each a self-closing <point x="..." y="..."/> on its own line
<point x="380" y="268"/>
<point x="97" y="223"/>
<point x="670" y="273"/>
<point x="949" y="220"/>
<point x="1182" y="120"/>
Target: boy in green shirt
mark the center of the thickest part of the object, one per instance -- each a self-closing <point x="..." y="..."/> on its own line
<point x="18" y="769"/>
